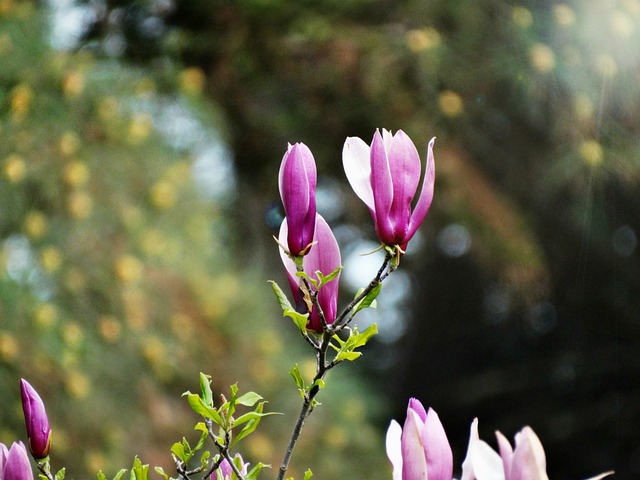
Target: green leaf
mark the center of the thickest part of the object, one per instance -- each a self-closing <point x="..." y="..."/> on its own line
<point x="299" y="319"/>
<point x="308" y="474"/>
<point x="60" y="474"/>
<point x="351" y="356"/>
<point x="369" y="301"/>
<point x="139" y="471"/>
<point x="161" y="472"/>
<point x="312" y="281"/>
<point x="101" y="476"/>
<point x="201" y="440"/>
<point x="204" y="459"/>
<point x="280" y="296"/>
<point x="205" y="388"/>
<point x="178" y="450"/>
<point x="326" y="279"/>
<point x="197" y="405"/>
<point x="297" y="376"/>
<point x="253" y="473"/>
<point x="361" y="339"/>
<point x="249" y="399"/>
<point x="120" y="474"/>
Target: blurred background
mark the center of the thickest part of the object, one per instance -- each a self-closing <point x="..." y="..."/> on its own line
<point x="140" y="147"/>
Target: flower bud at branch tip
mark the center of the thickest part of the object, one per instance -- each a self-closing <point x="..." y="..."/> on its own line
<point x="36" y="421"/>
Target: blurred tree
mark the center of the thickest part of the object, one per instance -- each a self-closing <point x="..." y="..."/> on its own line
<point x="534" y="230"/>
<point x="121" y="276"/>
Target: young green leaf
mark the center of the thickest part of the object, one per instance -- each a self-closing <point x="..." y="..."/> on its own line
<point x="120" y="474"/>
<point x="249" y="399"/>
<point x="253" y="473"/>
<point x="161" y="472"/>
<point x="298" y="318"/>
<point x="280" y="296"/>
<point x="308" y="474"/>
<point x="369" y="301"/>
<point x="59" y="474"/>
<point x="205" y="388"/>
<point x="326" y="279"/>
<point x="197" y="405"/>
<point x="297" y="377"/>
<point x="101" y="476"/>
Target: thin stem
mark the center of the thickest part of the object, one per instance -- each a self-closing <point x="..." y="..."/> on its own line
<point x="45" y="468"/>
<point x="321" y="353"/>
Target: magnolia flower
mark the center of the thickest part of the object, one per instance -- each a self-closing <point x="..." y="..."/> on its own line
<point x="14" y="463"/>
<point x="386" y="176"/>
<point x="323" y="257"/>
<point x="297" y="184"/>
<point x="36" y="421"/>
<point x="524" y="462"/>
<point x="419" y="450"/>
<point x="225" y="472"/>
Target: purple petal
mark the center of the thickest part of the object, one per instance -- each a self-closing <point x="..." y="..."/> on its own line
<point x="416" y="406"/>
<point x="426" y="194"/>
<point x="36" y="421"/>
<point x="436" y="448"/>
<point x="506" y="452"/>
<point x="356" y="160"/>
<point x="404" y="166"/>
<point x="17" y="466"/>
<point x="414" y="463"/>
<point x="289" y="264"/>
<point x="529" y="462"/>
<point x="325" y="257"/>
<point x="382" y="186"/>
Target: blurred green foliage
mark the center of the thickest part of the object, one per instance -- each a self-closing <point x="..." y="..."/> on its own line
<point x="121" y="278"/>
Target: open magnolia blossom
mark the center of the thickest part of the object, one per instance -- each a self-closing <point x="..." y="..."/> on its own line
<point x="526" y="461"/>
<point x="419" y="450"/>
<point x="385" y="176"/>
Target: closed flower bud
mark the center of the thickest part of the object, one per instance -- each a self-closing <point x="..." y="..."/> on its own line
<point x="386" y="176"/>
<point x="297" y="183"/>
<point x="323" y="257"/>
<point x="36" y="421"/>
<point x="419" y="450"/>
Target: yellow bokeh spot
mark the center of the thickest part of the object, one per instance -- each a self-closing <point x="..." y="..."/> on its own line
<point x="76" y="173"/>
<point x="72" y="334"/>
<point x="69" y="143"/>
<point x="73" y="84"/>
<point x="336" y="437"/>
<point x="259" y="445"/>
<point x="140" y="128"/>
<point x="79" y="204"/>
<point x="308" y="369"/>
<point x="591" y="152"/>
<point x="192" y="81"/>
<point x="522" y="16"/>
<point x="583" y="107"/>
<point x="622" y="24"/>
<point x="129" y="269"/>
<point x="108" y="108"/>
<point x="8" y="347"/>
<point x="270" y="343"/>
<point x="421" y="39"/>
<point x="606" y="65"/>
<point x="153" y="350"/>
<point x="451" y="103"/>
<point x="35" y="224"/>
<point x="74" y="279"/>
<point x="78" y="385"/>
<point x="145" y="87"/>
<point x="181" y="326"/>
<point x="163" y="195"/>
<point x="51" y="258"/>
<point x="6" y="44"/>
<point x="21" y="97"/>
<point x="354" y="409"/>
<point x="153" y="242"/>
<point x="95" y="461"/>
<point x="109" y="328"/>
<point x="15" y="168"/>
<point x="135" y="309"/>
<point x="564" y="15"/>
<point x="542" y="57"/>
<point x="46" y="315"/>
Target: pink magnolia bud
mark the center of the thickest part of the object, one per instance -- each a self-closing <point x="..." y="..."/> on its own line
<point x="323" y="257"/>
<point x="14" y="464"/>
<point x="225" y="472"/>
<point x="386" y="176"/>
<point x="297" y="183"/>
<point x="36" y="421"/>
<point x="419" y="450"/>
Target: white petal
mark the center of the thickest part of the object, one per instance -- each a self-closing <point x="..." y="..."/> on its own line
<point x="357" y="167"/>
<point x="394" y="448"/>
<point x="486" y="463"/>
